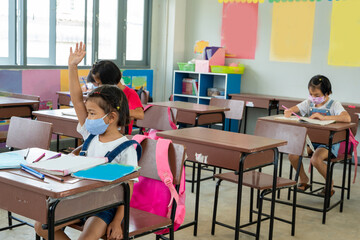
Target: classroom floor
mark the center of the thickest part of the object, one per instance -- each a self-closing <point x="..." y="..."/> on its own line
<point x="343" y="225"/>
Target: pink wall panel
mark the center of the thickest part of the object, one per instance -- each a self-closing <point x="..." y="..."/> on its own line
<point x="43" y="83"/>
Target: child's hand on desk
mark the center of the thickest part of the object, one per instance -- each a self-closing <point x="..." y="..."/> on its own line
<point x="287" y="113"/>
<point x="114" y="231"/>
<point x="317" y="116"/>
<point x="78" y="55"/>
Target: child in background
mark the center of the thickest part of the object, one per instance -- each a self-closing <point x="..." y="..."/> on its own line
<point x="105" y="109"/>
<point x="106" y="72"/>
<point x="318" y="106"/>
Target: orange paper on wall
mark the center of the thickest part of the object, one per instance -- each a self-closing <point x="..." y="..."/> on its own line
<point x="344" y="47"/>
<point x="239" y="29"/>
<point x="292" y="31"/>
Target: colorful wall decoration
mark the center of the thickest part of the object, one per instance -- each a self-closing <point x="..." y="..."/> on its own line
<point x="292" y="32"/>
<point x="344" y="49"/>
<point x="239" y="30"/>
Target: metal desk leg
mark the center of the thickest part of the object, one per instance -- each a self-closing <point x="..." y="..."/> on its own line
<point x="272" y="213"/>
<point x="126" y="210"/>
<point x="245" y="118"/>
<point x="51" y="220"/>
<point x="328" y="179"/>
<point x="239" y="195"/>
<point x="197" y="200"/>
<point x="344" y="171"/>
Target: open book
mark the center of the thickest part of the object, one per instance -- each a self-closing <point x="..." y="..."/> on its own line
<point x="306" y="119"/>
<point x="67" y="164"/>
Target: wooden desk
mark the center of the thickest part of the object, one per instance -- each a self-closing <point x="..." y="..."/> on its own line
<point x="226" y="150"/>
<point x="54" y="203"/>
<point x="252" y="100"/>
<point x="11" y="106"/>
<point x="329" y="135"/>
<point x="64" y="125"/>
<point x="195" y="114"/>
<point x="64" y="98"/>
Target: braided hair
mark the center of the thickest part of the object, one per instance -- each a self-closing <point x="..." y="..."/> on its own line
<point x="112" y="99"/>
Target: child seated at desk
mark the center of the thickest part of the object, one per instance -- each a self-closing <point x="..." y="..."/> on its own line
<point x="106" y="72"/>
<point x="105" y="109"/>
<point x="318" y="106"/>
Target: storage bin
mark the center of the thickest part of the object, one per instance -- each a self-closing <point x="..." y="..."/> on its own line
<point x="228" y="69"/>
<point x="190" y="67"/>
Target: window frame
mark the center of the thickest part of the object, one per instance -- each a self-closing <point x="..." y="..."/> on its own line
<point x="18" y="38"/>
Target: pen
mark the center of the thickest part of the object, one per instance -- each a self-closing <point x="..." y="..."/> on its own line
<point x="52" y="176"/>
<point x="32" y="171"/>
<point x="55" y="156"/>
<point x="39" y="158"/>
<point x="291" y="112"/>
<point x="27" y="154"/>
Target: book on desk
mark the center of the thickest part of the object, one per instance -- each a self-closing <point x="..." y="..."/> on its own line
<point x="306" y="119"/>
<point x="67" y="164"/>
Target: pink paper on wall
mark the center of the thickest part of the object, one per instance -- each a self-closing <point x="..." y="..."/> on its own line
<point x="239" y="29"/>
<point x="43" y="83"/>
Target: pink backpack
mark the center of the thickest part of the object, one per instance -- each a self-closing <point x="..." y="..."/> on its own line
<point x="159" y="200"/>
<point x="352" y="143"/>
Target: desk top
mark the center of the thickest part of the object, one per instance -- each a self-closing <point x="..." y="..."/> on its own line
<point x="10" y="101"/>
<point x="191" y="107"/>
<point x="223" y="139"/>
<point x="67" y="93"/>
<point x="331" y="127"/>
<point x="63" y="114"/>
<point x="53" y="188"/>
<point x="253" y="95"/>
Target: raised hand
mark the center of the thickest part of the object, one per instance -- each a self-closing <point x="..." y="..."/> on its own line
<point x="78" y="55"/>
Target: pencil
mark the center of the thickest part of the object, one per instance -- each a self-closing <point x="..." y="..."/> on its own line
<point x="54" y="177"/>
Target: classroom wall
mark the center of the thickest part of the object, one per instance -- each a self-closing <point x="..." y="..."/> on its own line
<point x="203" y="22"/>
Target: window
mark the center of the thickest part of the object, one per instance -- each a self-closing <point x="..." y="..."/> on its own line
<point x="7" y="29"/>
<point x="45" y="30"/>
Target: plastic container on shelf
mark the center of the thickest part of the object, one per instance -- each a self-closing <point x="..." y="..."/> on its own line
<point x="213" y="92"/>
<point x="228" y="69"/>
<point x="190" y="67"/>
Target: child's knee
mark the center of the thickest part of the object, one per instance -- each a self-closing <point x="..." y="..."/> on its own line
<point x="39" y="230"/>
<point x="293" y="157"/>
<point x="315" y="161"/>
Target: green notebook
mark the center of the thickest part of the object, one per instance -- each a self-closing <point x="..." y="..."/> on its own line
<point x="106" y="172"/>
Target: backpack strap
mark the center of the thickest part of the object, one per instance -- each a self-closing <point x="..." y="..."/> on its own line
<point x="114" y="153"/>
<point x="86" y="144"/>
<point x="328" y="106"/>
<point x="354" y="144"/>
<point x="163" y="168"/>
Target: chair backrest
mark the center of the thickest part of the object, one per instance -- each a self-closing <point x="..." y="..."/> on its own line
<point x="27" y="133"/>
<point x="236" y="107"/>
<point x="354" y="119"/>
<point x="23" y="96"/>
<point x="144" y="96"/>
<point x="147" y="161"/>
<point x="157" y="117"/>
<point x="294" y="135"/>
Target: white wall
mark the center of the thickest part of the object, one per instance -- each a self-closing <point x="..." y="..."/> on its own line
<point x="203" y="22"/>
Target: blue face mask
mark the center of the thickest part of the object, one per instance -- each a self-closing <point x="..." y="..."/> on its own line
<point x="96" y="126"/>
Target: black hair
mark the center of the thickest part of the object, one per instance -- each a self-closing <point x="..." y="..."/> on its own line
<point x="107" y="72"/>
<point x="320" y="82"/>
<point x="90" y="78"/>
<point x="112" y="99"/>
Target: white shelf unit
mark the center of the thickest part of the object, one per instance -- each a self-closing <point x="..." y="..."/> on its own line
<point x="229" y="82"/>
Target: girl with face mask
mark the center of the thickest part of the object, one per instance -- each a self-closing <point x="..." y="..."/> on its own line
<point x="105" y="110"/>
<point x="318" y="106"/>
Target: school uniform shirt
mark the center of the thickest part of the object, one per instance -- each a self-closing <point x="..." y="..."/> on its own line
<point x="335" y="109"/>
<point x="99" y="149"/>
<point x="134" y="102"/>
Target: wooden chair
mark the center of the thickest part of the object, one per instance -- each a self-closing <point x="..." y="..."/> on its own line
<point x="295" y="136"/>
<point x="236" y="110"/>
<point x="141" y="222"/>
<point x="157" y="117"/>
<point x="26" y="133"/>
<point x="235" y="113"/>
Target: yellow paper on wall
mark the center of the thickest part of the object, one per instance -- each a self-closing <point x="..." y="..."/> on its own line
<point x="344" y="47"/>
<point x="64" y="77"/>
<point x="292" y="31"/>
